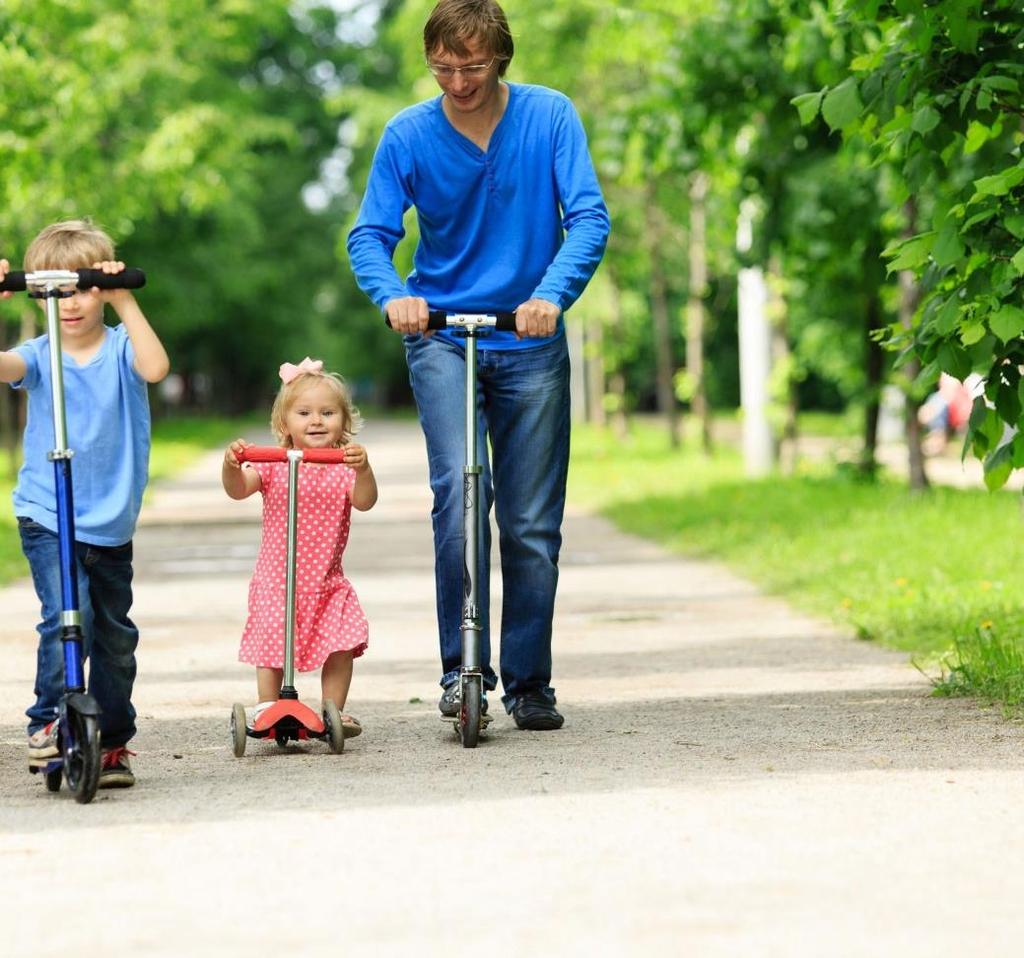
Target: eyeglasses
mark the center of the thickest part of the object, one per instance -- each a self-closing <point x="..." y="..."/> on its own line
<point x="444" y="72"/>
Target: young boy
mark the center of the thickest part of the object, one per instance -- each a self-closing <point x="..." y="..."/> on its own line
<point x="105" y="371"/>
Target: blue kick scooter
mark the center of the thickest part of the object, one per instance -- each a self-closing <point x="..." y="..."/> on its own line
<point x="78" y="712"/>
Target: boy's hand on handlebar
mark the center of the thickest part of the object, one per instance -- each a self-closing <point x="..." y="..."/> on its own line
<point x="355" y="456"/>
<point x="408" y="315"/>
<point x="535" y="318"/>
<point x="231" y="455"/>
<point x="4" y="267"/>
<point x="112" y="296"/>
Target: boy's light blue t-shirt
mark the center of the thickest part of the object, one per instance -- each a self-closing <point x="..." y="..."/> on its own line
<point x="108" y="429"/>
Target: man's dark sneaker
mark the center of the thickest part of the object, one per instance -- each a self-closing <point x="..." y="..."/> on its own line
<point x="534" y="712"/>
<point x="451" y="701"/>
<point x="116" y="769"/>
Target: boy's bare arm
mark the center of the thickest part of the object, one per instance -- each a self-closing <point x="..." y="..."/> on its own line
<point x="12" y="367"/>
<point x="151" y="361"/>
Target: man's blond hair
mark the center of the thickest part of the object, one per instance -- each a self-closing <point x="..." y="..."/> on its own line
<point x="71" y="244"/>
<point x="453" y="22"/>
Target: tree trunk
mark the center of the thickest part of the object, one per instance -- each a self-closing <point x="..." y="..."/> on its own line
<point x="909" y="296"/>
<point x="593" y="360"/>
<point x="786" y="451"/>
<point x="662" y="326"/>
<point x="695" y="311"/>
<point x="616" y="384"/>
<point x="874" y="364"/>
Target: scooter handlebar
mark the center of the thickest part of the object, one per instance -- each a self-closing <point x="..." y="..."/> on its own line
<point x="280" y="454"/>
<point x="442" y="319"/>
<point x="129" y="278"/>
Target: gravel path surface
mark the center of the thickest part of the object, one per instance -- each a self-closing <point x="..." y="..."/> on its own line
<point x="733" y="778"/>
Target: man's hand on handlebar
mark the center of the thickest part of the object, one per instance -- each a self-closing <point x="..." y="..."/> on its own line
<point x="408" y="315"/>
<point x="4" y="267"/>
<point x="536" y="318"/>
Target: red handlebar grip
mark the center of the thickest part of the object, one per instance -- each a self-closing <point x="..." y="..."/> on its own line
<point x="263" y="454"/>
<point x="280" y="454"/>
<point x="323" y="455"/>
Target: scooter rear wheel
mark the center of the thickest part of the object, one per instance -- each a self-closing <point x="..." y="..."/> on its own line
<point x="469" y="714"/>
<point x="81" y="748"/>
<point x="53" y="780"/>
<point x="238" y="729"/>
<point x="335" y="730"/>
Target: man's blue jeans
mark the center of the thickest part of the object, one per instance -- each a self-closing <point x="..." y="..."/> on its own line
<point x="110" y="637"/>
<point x="523" y="409"/>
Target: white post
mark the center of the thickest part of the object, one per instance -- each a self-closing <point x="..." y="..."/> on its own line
<point x="755" y="368"/>
<point x="577" y="370"/>
<point x="755" y="357"/>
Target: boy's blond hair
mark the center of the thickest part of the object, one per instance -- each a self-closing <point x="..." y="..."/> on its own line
<point x="71" y="244"/>
<point x="352" y="421"/>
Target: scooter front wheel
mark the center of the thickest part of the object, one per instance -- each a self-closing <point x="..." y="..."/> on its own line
<point x="53" y="780"/>
<point x="81" y="747"/>
<point x="469" y="713"/>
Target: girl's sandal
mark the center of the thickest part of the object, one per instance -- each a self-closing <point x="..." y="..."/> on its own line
<point x="350" y="726"/>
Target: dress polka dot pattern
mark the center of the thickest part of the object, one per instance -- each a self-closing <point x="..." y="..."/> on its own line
<point x="328" y="617"/>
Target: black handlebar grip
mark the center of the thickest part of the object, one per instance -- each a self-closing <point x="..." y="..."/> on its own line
<point x="128" y="278"/>
<point x="14" y="282"/>
<point x="438" y="319"/>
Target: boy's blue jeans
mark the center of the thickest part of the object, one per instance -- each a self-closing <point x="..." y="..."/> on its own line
<point x="523" y="408"/>
<point x="105" y="599"/>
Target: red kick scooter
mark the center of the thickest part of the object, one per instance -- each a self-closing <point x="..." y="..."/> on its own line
<point x="288" y="720"/>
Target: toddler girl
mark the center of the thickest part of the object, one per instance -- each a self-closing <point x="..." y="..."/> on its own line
<point x="313" y="410"/>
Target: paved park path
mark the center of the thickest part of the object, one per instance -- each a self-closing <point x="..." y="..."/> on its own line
<point x="733" y="778"/>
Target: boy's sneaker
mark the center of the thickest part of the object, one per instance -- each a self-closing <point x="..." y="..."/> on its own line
<point x="451" y="701"/>
<point x="116" y="769"/>
<point x="42" y="744"/>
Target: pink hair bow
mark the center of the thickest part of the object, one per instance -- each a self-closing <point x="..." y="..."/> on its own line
<point x="289" y="371"/>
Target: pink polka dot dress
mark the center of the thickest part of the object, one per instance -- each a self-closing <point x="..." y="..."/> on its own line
<point x="328" y="617"/>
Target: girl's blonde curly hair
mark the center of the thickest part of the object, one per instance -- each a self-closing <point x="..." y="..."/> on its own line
<point x="351" y="420"/>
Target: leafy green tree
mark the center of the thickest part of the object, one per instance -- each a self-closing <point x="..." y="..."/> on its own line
<point x="935" y="89"/>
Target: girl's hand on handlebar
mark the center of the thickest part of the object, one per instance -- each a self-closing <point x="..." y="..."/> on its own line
<point x="408" y="315"/>
<point x="535" y="318"/>
<point x="355" y="456"/>
<point x="4" y="267"/>
<point x="231" y="455"/>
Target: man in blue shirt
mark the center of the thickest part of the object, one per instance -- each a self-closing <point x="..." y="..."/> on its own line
<point x="511" y="218"/>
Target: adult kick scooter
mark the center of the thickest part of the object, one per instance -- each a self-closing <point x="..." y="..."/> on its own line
<point x="78" y="736"/>
<point x="471" y="721"/>
<point x="288" y="719"/>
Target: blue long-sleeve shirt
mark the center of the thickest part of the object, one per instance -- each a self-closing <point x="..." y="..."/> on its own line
<point x="523" y="219"/>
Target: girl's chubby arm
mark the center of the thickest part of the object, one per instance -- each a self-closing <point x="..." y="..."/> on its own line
<point x="238" y="483"/>
<point x="12" y="366"/>
<point x="364" y="492"/>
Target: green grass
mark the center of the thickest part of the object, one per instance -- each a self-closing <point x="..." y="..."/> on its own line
<point x="934" y="574"/>
<point x="176" y="443"/>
